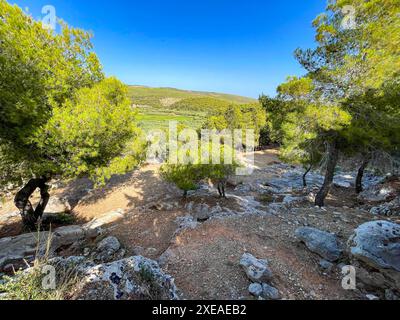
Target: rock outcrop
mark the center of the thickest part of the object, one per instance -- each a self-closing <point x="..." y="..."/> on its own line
<point x="323" y="243"/>
<point x="375" y="251"/>
<point x="377" y="243"/>
<point x="58" y="205"/>
<point x="15" y="252"/>
<point x="134" y="278"/>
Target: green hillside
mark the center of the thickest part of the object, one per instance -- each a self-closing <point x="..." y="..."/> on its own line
<point x="158" y="106"/>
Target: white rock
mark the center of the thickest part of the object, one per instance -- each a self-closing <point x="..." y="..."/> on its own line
<point x="257" y="270"/>
<point x="377" y="244"/>
<point x="256" y="289"/>
<point x="58" y="205"/>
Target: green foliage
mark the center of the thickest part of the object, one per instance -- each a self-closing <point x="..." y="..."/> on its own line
<point x="58" y="114"/>
<point x="238" y="117"/>
<point x="184" y="176"/>
<point x="158" y="106"/>
<point x="27" y="285"/>
<point x="155" y="96"/>
<point x="187" y="176"/>
<point x="345" y="97"/>
<point x="205" y="104"/>
<point x="92" y="133"/>
<point x="38" y="69"/>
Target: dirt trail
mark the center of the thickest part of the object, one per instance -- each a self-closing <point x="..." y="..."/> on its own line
<point x="205" y="261"/>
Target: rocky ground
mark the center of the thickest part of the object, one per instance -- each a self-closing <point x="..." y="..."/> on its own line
<point x="267" y="240"/>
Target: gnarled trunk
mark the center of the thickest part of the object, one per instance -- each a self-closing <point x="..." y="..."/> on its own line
<point x="360" y="175"/>
<point x="31" y="215"/>
<point x="333" y="156"/>
<point x="305" y="176"/>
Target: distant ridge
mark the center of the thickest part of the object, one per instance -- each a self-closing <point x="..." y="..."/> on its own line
<point x="140" y="91"/>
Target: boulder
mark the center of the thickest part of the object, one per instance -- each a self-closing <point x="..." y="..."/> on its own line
<point x="269" y="292"/>
<point x="65" y="236"/>
<point x="26" y="247"/>
<point x="256" y="289"/>
<point x="14" y="250"/>
<point x="134" y="278"/>
<point x="199" y="212"/>
<point x="58" y="205"/>
<point x="264" y="291"/>
<point x="323" y="243"/>
<point x="257" y="270"/>
<point x="107" y="249"/>
<point x="377" y="243"/>
<point x="374" y="249"/>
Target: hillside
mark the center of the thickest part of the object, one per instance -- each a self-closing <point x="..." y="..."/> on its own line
<point x="158" y="106"/>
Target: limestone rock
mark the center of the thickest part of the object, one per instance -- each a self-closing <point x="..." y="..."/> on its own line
<point x="15" y="249"/>
<point x="256" y="289"/>
<point x="58" y="205"/>
<point x="257" y="270"/>
<point x="100" y="223"/>
<point x="323" y="243"/>
<point x="107" y="249"/>
<point x="377" y="244"/>
<point x="134" y="278"/>
<point x="269" y="292"/>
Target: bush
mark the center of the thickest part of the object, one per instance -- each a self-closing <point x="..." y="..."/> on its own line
<point x="188" y="176"/>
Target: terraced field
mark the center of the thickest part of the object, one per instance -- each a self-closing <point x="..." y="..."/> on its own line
<point x="158" y="106"/>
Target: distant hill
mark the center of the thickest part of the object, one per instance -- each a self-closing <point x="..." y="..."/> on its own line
<point x="158" y="106"/>
<point x="152" y="96"/>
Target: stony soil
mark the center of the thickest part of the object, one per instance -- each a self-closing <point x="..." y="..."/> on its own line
<point x="205" y="260"/>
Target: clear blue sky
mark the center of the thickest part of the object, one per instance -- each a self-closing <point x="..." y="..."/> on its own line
<point x="241" y="47"/>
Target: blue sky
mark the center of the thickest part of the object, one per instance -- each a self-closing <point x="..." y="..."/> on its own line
<point x="239" y="47"/>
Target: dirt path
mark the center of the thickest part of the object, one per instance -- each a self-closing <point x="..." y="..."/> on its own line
<point x="205" y="260"/>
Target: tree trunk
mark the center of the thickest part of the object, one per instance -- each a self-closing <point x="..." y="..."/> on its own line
<point x="305" y="176"/>
<point x="360" y="175"/>
<point x="29" y="215"/>
<point x="333" y="156"/>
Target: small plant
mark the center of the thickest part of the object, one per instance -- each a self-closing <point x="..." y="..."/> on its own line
<point x="30" y="284"/>
<point x="187" y="177"/>
<point x="146" y="276"/>
<point x="266" y="198"/>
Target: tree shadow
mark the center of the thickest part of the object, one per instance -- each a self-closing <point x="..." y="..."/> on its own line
<point x="83" y="190"/>
<point x="11" y="229"/>
<point x="139" y="187"/>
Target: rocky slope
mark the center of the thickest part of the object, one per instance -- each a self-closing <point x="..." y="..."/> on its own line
<point x="266" y="241"/>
